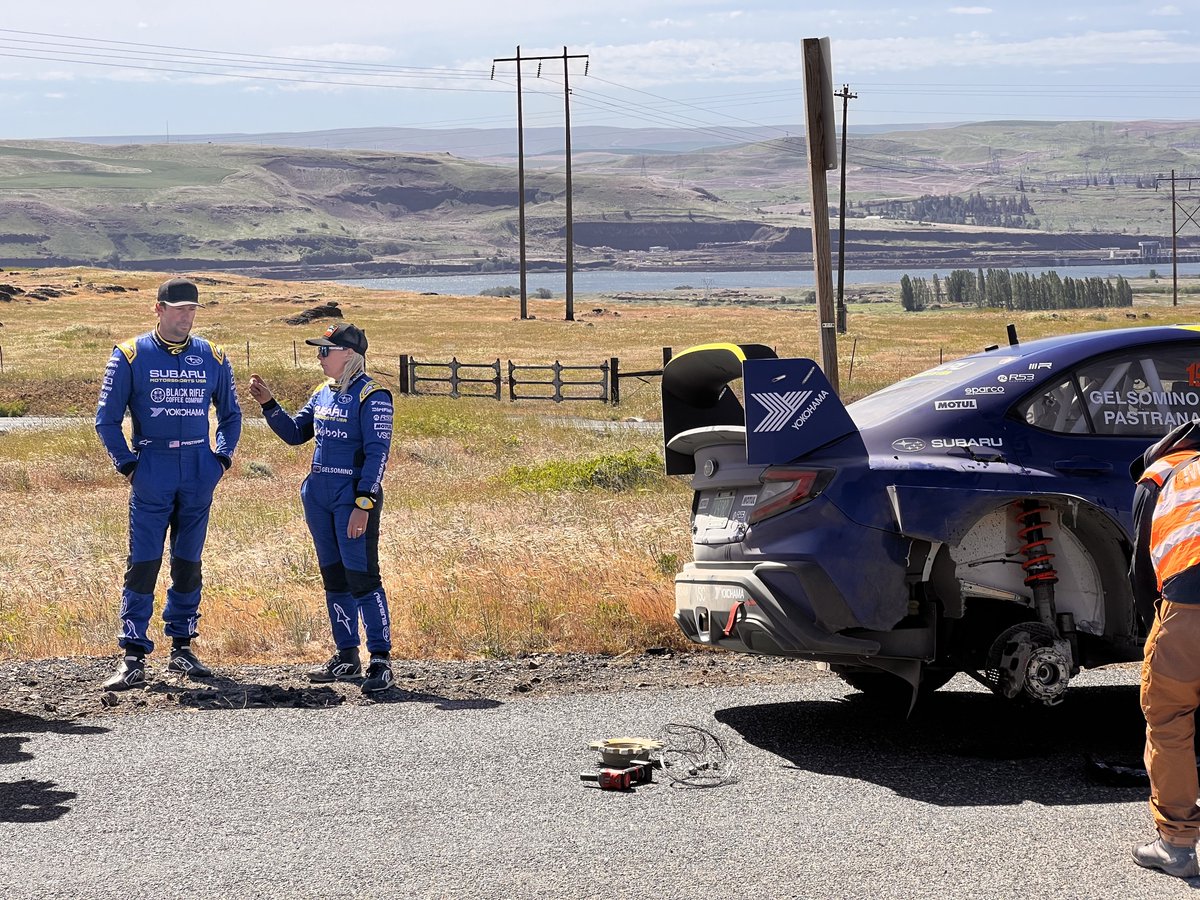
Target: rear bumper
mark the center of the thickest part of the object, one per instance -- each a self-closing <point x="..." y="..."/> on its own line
<point x="769" y="607"/>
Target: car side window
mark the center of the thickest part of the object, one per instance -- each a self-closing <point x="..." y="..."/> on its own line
<point x="1057" y="408"/>
<point x="1143" y="392"/>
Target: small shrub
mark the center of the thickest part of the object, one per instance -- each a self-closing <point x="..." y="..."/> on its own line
<point x="505" y="291"/>
<point x="13" y="408"/>
<point x="543" y="293"/>
<point x="257" y="469"/>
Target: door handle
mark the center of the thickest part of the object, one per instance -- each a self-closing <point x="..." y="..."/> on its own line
<point x="1083" y="465"/>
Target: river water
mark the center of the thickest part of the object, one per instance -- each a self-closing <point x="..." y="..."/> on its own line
<point x="616" y="282"/>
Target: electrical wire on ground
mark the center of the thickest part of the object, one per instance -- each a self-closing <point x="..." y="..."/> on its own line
<point x="692" y="756"/>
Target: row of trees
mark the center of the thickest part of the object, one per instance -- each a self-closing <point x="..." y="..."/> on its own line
<point x="975" y="209"/>
<point x="1003" y="289"/>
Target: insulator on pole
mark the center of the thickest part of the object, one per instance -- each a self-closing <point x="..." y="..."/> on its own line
<point x="492" y="77"/>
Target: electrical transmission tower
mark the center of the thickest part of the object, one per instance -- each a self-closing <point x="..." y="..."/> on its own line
<point x="1177" y="206"/>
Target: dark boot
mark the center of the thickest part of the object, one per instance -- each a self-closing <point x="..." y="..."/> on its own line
<point x="185" y="662"/>
<point x="379" y="674"/>
<point x="342" y="666"/>
<point x="131" y="673"/>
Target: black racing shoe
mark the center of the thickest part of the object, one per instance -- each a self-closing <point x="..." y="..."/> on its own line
<point x="1177" y="861"/>
<point x="342" y="666"/>
<point x="185" y="662"/>
<point x="379" y="675"/>
<point x="131" y="673"/>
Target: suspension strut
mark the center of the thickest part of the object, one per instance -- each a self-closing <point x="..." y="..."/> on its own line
<point x="1040" y="574"/>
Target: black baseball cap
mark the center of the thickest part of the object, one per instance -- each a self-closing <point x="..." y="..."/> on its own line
<point x="342" y="334"/>
<point x="178" y="292"/>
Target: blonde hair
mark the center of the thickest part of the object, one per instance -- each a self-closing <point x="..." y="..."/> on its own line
<point x="356" y="365"/>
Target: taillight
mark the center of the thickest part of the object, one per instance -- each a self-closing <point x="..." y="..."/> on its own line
<point x="785" y="488"/>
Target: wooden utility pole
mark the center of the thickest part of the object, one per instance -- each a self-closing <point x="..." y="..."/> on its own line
<point x="820" y="137"/>
<point x="520" y="177"/>
<point x="570" y="237"/>
<point x="1174" y="248"/>
<point x="841" y="301"/>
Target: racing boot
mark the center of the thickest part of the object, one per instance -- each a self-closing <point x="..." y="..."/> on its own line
<point x="1177" y="861"/>
<point x="131" y="673"/>
<point x="185" y="662"/>
<point x="342" y="666"/>
<point x="379" y="674"/>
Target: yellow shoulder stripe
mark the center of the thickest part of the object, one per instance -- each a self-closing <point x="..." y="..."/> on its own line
<point x="129" y="349"/>
<point x="368" y="389"/>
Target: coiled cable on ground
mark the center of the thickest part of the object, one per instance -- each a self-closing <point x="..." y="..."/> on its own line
<point x="692" y="756"/>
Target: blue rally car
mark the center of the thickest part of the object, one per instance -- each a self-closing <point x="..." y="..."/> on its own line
<point x="973" y="518"/>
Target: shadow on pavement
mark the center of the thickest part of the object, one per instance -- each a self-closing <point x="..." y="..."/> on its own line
<point x="398" y="695"/>
<point x="959" y="748"/>
<point x="226" y="693"/>
<point x="28" y="800"/>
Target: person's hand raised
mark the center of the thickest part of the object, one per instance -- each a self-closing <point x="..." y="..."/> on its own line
<point x="259" y="390"/>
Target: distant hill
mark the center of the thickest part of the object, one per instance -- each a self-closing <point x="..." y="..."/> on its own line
<point x="1077" y="190"/>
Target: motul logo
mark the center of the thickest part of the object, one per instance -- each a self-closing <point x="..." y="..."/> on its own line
<point x="955" y="404"/>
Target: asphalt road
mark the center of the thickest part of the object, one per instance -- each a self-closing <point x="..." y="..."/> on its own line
<point x="421" y="797"/>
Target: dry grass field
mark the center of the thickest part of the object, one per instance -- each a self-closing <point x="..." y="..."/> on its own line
<point x="506" y="527"/>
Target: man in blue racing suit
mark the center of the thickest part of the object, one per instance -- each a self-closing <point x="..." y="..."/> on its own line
<point x="351" y="418"/>
<point x="167" y="380"/>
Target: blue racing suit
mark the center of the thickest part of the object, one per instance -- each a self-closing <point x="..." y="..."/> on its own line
<point x="353" y="431"/>
<point x="167" y="390"/>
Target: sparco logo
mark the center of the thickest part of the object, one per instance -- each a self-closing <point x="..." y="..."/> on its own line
<point x="908" y="445"/>
<point x="954" y="404"/>
<point x="979" y="391"/>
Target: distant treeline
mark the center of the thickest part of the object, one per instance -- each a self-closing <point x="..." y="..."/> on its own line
<point x="1003" y="289"/>
<point x="976" y="209"/>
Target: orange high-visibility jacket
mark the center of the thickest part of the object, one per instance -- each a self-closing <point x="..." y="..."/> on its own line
<point x="1175" y="531"/>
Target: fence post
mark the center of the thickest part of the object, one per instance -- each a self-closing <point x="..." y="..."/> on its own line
<point x="295" y="356"/>
<point x="512" y="382"/>
<point x="496" y="380"/>
<point x="247" y="356"/>
<point x="614" y="380"/>
<point x="402" y="374"/>
<point x="1" y="359"/>
<point x="666" y="355"/>
<point x="454" y="377"/>
<point x="558" y="386"/>
<point x="853" y="347"/>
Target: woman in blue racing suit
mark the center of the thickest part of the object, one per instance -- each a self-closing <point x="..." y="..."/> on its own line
<point x="351" y="418"/>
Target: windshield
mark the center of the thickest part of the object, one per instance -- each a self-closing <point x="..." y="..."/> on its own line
<point x="904" y="395"/>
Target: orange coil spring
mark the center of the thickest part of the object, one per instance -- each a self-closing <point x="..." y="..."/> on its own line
<point x="1037" y="564"/>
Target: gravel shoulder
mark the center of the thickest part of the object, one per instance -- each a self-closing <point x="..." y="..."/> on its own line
<point x="69" y="688"/>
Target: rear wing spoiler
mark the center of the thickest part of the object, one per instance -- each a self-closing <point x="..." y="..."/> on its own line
<point x="792" y="408"/>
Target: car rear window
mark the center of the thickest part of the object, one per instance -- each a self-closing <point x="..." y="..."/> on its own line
<point x="904" y="395"/>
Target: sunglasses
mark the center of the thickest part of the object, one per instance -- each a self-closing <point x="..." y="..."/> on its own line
<point x="323" y="352"/>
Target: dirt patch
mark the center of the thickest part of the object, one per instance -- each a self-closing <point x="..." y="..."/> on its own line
<point x="70" y="688"/>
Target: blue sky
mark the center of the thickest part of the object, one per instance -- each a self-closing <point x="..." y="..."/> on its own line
<point x="148" y="68"/>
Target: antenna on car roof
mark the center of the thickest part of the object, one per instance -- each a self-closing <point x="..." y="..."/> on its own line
<point x="1012" y="335"/>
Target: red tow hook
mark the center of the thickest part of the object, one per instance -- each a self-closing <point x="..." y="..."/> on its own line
<point x="732" y="621"/>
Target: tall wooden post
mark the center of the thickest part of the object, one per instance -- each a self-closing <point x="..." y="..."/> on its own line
<point x="820" y="137"/>
<point x="570" y="229"/>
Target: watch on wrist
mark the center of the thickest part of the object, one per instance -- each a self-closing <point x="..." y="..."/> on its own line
<point x="364" y="503"/>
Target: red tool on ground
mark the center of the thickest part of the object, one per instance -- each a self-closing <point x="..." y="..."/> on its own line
<point x="612" y="779"/>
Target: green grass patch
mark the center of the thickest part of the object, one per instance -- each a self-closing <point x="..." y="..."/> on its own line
<point x="611" y="471"/>
<point x="13" y="408"/>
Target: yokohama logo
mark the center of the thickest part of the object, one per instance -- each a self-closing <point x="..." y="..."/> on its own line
<point x="780" y="408"/>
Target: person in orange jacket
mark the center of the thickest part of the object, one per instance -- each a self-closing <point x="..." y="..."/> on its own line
<point x="1165" y="571"/>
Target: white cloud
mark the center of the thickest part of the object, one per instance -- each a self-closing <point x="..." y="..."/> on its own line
<point x="1168" y="10"/>
<point x="55" y="95"/>
<point x="970" y="10"/>
<point x="673" y="23"/>
<point x="363" y="53"/>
